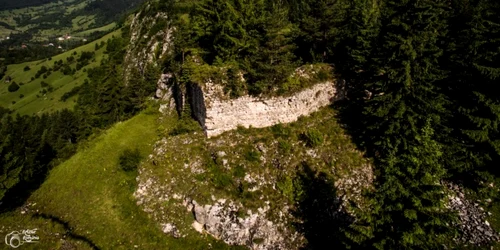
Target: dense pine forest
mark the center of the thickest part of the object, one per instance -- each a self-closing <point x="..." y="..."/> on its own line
<point x="420" y="77"/>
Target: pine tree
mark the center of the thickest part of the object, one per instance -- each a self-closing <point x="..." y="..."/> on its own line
<point x="403" y="88"/>
<point x="273" y="61"/>
<point x="220" y="27"/>
<point x="409" y="209"/>
<point x="474" y="140"/>
<point x="10" y="163"/>
<point x="404" y="107"/>
<point x="322" y="24"/>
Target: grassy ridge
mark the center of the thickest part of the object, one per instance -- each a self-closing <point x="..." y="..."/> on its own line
<point x="35" y="102"/>
<point x="94" y="197"/>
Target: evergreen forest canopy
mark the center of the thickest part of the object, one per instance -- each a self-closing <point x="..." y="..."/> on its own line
<point x="421" y="98"/>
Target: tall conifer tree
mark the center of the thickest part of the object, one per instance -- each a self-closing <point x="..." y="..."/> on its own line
<point x="474" y="141"/>
<point x="402" y="109"/>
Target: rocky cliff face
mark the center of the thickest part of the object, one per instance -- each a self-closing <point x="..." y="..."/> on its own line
<point x="151" y="41"/>
<point x="147" y="46"/>
<point x="223" y="114"/>
<point x="218" y="113"/>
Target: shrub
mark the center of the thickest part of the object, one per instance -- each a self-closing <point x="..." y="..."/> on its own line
<point x="291" y="188"/>
<point x="184" y="126"/>
<point x="323" y="74"/>
<point x="252" y="155"/>
<point x="239" y="171"/>
<point x="129" y="159"/>
<point x="74" y="91"/>
<point x="284" y="146"/>
<point x="279" y="130"/>
<point x="21" y="96"/>
<point x="312" y="138"/>
<point x="218" y="176"/>
<point x="44" y="84"/>
<point x="13" y="87"/>
<point x="27" y="68"/>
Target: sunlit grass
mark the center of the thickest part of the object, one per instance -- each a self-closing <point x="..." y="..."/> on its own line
<point x="95" y="197"/>
<point x="33" y="101"/>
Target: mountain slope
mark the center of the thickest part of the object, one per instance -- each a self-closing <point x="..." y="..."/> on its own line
<point x="93" y="196"/>
<point x="33" y="100"/>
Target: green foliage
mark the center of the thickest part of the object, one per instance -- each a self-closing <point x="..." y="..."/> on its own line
<point x="313" y="138"/>
<point x="249" y="39"/>
<point x="291" y="187"/>
<point x="284" y="146"/>
<point x="472" y="134"/>
<point x="13" y="87"/>
<point x="218" y="175"/>
<point x="322" y="23"/>
<point x="27" y="68"/>
<point x="130" y="159"/>
<point x="279" y="130"/>
<point x="403" y="106"/>
<point x="184" y="126"/>
<point x="252" y="155"/>
<point x="74" y="91"/>
<point x="239" y="171"/>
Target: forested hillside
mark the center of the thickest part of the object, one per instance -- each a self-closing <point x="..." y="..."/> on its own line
<point x="44" y="29"/>
<point x="9" y="4"/>
<point x="420" y="78"/>
<point x="32" y="145"/>
<point x="421" y="103"/>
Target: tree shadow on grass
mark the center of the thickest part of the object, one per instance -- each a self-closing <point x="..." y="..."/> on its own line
<point x="320" y="210"/>
<point x="69" y="230"/>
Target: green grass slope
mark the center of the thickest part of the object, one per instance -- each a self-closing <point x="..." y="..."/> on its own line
<point x="93" y="197"/>
<point x="33" y="101"/>
<point x="47" y="14"/>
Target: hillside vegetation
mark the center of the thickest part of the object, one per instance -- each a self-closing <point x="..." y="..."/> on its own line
<point x="91" y="196"/>
<point x="44" y="20"/>
<point x="32" y="145"/>
<point x="43" y="83"/>
<point x="420" y="77"/>
<point x="421" y="106"/>
<point x="34" y="32"/>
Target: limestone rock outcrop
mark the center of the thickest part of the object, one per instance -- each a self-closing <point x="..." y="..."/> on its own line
<point x="220" y="221"/>
<point x="227" y="114"/>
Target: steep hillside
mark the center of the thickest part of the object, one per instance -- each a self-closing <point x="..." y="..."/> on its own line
<point x="257" y="187"/>
<point x="90" y="201"/>
<point x="86" y="202"/>
<point x="227" y="124"/>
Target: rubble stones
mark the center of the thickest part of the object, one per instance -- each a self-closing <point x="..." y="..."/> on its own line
<point x="220" y="221"/>
<point x="474" y="227"/>
<point x="171" y="229"/>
